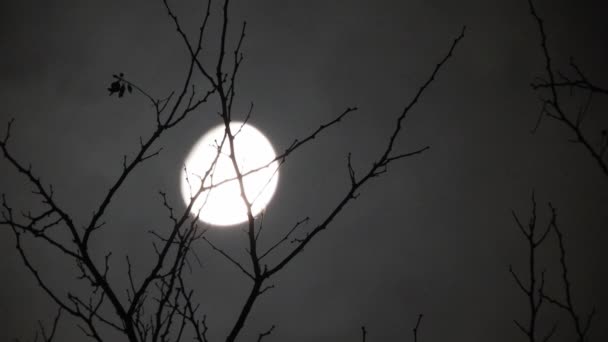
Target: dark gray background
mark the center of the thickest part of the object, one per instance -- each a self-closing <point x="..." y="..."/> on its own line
<point x="434" y="235"/>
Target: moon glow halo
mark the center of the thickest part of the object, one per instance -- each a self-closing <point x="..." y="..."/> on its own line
<point x="223" y="205"/>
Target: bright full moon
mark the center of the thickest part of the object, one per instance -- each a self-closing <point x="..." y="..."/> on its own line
<point x="223" y="205"/>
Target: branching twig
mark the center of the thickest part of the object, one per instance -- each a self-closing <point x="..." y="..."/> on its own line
<point x="553" y="107"/>
<point x="581" y="326"/>
<point x="534" y="289"/>
<point x="415" y="330"/>
<point x="266" y="333"/>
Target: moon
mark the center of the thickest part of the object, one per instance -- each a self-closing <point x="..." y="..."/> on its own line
<point x="223" y="205"/>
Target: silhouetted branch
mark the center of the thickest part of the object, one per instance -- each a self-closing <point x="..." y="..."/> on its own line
<point x="231" y="259"/>
<point x="377" y="167"/>
<point x="42" y="332"/>
<point x="266" y="333"/>
<point x="582" y="82"/>
<point x="534" y="289"/>
<point x="261" y="275"/>
<point x="278" y="243"/>
<point x="415" y="330"/>
<point x="553" y="107"/>
<point x="581" y="326"/>
<point x="536" y="293"/>
<point x="193" y="52"/>
<point x="89" y="271"/>
<point x="159" y="305"/>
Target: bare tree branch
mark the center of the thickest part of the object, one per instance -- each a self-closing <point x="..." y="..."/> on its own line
<point x="553" y="107"/>
<point x="378" y="167"/>
<point x="534" y="289"/>
<point x="581" y="326"/>
<point x="261" y="336"/>
<point x="415" y="330"/>
<point x="159" y="305"/>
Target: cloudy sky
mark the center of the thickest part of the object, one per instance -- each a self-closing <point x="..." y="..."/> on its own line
<point x="434" y="235"/>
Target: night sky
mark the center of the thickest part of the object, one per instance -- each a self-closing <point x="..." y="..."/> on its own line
<point x="434" y="235"/>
